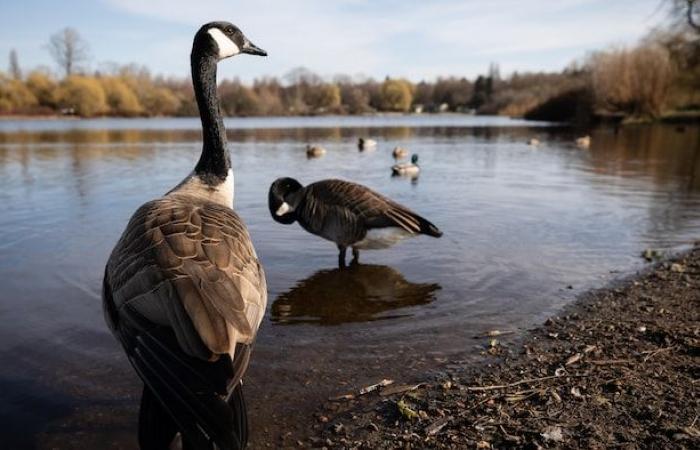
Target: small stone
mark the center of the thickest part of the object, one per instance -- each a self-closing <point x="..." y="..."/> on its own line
<point x="678" y="268"/>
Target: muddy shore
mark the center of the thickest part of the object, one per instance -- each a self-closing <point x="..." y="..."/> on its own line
<point x="620" y="368"/>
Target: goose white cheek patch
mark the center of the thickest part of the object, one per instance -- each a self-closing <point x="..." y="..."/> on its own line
<point x="284" y="209"/>
<point x="226" y="46"/>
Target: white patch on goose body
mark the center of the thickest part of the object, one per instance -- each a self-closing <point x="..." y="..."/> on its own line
<point x="226" y="46"/>
<point x="227" y="188"/>
<point x="378" y="238"/>
<point x="193" y="185"/>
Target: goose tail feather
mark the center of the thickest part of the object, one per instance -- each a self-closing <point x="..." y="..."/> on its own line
<point x="426" y="227"/>
<point x="200" y="399"/>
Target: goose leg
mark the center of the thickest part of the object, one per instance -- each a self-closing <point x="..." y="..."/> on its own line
<point x="355" y="256"/>
<point x="341" y="256"/>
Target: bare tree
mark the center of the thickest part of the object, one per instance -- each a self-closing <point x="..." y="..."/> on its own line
<point x="687" y="11"/>
<point x="14" y="65"/>
<point x="68" y="49"/>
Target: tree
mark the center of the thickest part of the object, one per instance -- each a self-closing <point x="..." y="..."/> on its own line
<point x="43" y="87"/>
<point x="83" y="95"/>
<point x="322" y="97"/>
<point x="15" y="71"/>
<point x="120" y="98"/>
<point x="396" y="95"/>
<point x="160" y="101"/>
<point x="355" y="99"/>
<point x="687" y="11"/>
<point x="14" y="95"/>
<point x="634" y="81"/>
<point x="68" y="49"/>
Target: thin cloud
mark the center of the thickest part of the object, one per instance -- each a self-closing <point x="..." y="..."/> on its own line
<point x="409" y="38"/>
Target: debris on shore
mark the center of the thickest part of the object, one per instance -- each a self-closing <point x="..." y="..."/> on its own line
<point x="620" y="368"/>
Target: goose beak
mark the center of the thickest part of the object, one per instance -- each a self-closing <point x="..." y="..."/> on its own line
<point x="252" y="49"/>
<point x="282" y="210"/>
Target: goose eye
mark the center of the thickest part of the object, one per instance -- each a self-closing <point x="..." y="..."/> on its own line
<point x="229" y="30"/>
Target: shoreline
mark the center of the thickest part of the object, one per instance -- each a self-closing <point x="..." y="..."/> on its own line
<point x="671" y="117"/>
<point x="618" y="367"/>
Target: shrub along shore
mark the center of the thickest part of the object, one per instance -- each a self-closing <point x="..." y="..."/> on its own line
<point x="659" y="77"/>
<point x="619" y="369"/>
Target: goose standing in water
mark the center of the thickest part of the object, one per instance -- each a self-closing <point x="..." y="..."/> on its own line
<point x="411" y="168"/>
<point x="184" y="291"/>
<point x="349" y="214"/>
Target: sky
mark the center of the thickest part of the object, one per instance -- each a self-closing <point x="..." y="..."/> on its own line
<point x="377" y="38"/>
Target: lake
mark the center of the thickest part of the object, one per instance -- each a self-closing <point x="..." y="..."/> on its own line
<point x="526" y="230"/>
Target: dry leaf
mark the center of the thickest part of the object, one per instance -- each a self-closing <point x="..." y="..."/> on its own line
<point x="399" y="388"/>
<point x="553" y="434"/>
<point x="374" y="387"/>
<point x="436" y="426"/>
<point x="573" y="359"/>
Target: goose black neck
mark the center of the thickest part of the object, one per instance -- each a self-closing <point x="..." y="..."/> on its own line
<point x="215" y="161"/>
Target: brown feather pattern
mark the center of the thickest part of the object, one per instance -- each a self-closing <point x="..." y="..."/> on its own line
<point x="198" y="253"/>
<point x="342" y="211"/>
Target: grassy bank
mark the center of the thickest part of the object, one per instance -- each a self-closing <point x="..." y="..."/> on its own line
<point x="618" y="369"/>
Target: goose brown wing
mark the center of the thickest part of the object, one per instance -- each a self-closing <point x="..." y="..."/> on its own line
<point x="189" y="265"/>
<point x="363" y="205"/>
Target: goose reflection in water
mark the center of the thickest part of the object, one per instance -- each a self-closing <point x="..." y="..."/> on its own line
<point x="361" y="293"/>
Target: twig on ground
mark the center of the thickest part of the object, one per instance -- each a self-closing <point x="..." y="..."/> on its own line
<point x="652" y="353"/>
<point x="518" y="383"/>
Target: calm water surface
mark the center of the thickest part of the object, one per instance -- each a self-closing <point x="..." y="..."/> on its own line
<point x="525" y="230"/>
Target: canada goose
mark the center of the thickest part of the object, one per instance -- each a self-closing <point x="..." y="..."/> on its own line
<point x="399" y="152"/>
<point x="366" y="144"/>
<point x="583" y="142"/>
<point x="314" y="151"/>
<point x="411" y="168"/>
<point x="533" y="142"/>
<point x="349" y="214"/>
<point x="183" y="289"/>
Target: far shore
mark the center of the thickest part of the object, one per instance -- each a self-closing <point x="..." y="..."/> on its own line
<point x="678" y="117"/>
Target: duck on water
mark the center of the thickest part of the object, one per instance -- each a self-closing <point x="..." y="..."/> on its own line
<point x="184" y="292"/>
<point x="346" y="213"/>
<point x="411" y="168"/>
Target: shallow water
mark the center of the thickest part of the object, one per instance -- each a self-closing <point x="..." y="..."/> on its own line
<point x="525" y="230"/>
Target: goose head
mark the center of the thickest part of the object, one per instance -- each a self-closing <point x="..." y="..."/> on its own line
<point x="222" y="40"/>
<point x="414" y="159"/>
<point x="280" y="201"/>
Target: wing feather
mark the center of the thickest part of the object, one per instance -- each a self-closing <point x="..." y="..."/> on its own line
<point x="199" y="255"/>
<point x="356" y="206"/>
